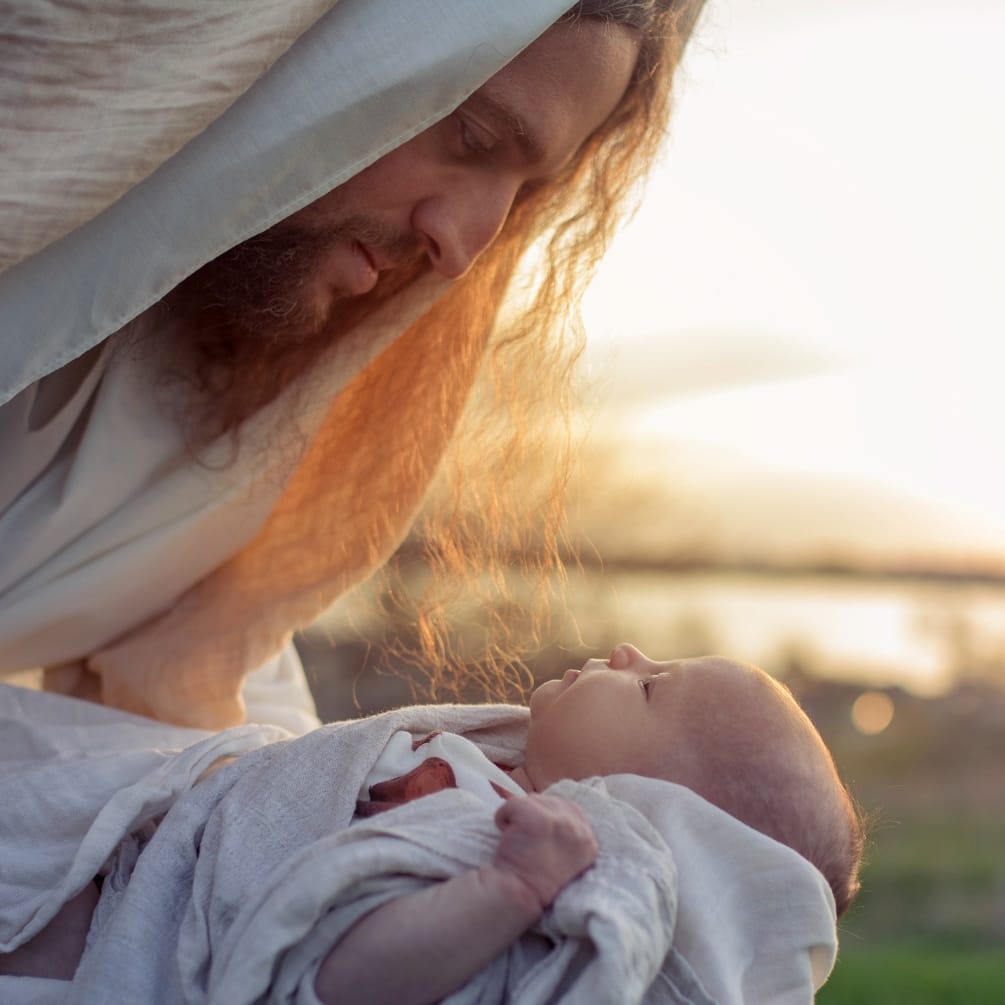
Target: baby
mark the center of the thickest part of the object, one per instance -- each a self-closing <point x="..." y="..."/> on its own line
<point x="724" y="729"/>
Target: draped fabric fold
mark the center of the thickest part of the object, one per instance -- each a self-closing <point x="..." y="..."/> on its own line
<point x="125" y="86"/>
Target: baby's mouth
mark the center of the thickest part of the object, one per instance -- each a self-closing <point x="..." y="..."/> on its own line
<point x="569" y="677"/>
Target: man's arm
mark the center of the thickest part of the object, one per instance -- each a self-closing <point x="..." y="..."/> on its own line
<point x="421" y="947"/>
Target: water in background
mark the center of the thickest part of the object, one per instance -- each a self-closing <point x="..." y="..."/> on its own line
<point x="923" y="635"/>
<point x="926" y="635"/>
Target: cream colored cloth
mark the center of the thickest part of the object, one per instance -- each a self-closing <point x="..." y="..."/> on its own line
<point x="126" y="85"/>
<point x="277" y="693"/>
<point x="182" y="133"/>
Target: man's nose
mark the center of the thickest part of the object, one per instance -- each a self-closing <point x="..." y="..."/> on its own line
<point x="455" y="227"/>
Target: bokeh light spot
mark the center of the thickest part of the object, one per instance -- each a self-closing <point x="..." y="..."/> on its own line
<point x="872" y="712"/>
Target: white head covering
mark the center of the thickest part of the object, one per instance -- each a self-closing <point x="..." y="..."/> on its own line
<point x="364" y="78"/>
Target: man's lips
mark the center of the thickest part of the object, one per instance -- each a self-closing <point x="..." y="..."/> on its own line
<point x="367" y="256"/>
<point x="379" y="259"/>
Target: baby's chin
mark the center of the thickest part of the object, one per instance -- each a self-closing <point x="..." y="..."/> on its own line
<point x="542" y="695"/>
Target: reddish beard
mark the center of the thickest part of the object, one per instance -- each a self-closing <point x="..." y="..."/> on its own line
<point x="262" y="287"/>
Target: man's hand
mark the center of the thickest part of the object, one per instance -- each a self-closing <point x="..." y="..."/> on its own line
<point x="546" y="842"/>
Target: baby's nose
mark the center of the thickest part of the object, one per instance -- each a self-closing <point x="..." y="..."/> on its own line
<point x="626" y="657"/>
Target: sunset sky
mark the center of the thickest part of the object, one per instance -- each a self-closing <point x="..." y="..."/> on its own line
<point x="810" y="305"/>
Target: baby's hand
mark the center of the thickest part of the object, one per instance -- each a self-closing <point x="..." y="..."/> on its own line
<point x="546" y="842"/>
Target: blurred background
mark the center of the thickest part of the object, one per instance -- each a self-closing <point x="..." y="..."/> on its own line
<point x="793" y="443"/>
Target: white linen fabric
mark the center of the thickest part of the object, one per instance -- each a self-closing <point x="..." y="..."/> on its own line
<point x="76" y="778"/>
<point x="277" y="693"/>
<point x="125" y="86"/>
<point x="255" y="870"/>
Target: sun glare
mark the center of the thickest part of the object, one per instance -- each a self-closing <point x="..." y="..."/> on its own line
<point x="796" y="233"/>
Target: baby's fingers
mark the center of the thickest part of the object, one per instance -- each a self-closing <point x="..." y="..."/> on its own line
<point x="545" y="841"/>
<point x="538" y="814"/>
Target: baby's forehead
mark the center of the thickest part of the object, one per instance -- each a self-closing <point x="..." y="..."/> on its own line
<point x="718" y="692"/>
<point x="724" y="675"/>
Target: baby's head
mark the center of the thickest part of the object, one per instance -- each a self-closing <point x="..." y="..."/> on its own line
<point x="724" y="729"/>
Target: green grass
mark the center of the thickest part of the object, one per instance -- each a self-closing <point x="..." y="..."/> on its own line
<point x="918" y="975"/>
<point x="932" y="878"/>
<point x="929" y="927"/>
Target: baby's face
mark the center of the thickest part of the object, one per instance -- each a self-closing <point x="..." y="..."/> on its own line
<point x="672" y="720"/>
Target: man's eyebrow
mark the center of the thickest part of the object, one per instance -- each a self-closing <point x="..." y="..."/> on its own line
<point x="530" y="145"/>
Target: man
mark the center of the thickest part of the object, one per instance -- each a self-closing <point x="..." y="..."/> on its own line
<point x="208" y="435"/>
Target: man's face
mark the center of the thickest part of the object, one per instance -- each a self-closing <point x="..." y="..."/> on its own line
<point x="672" y="720"/>
<point x="438" y="200"/>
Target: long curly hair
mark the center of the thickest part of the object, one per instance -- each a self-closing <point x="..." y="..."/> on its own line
<point x="491" y="541"/>
<point x="474" y="533"/>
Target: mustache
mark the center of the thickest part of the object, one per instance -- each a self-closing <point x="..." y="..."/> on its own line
<point x="265" y="273"/>
<point x="403" y="248"/>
